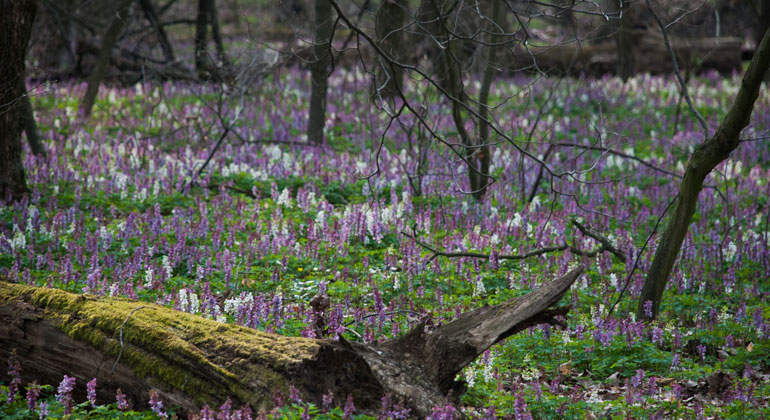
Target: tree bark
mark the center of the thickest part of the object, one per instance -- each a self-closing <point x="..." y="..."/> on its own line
<point x="389" y="26"/>
<point x="761" y="25"/>
<point x="109" y="40"/>
<point x="704" y="159"/>
<point x="624" y="42"/>
<point x="319" y="71"/>
<point x="483" y="154"/>
<point x="207" y="16"/>
<point x="152" y="17"/>
<point x="30" y="126"/>
<point x="16" y="18"/>
<point x="192" y="360"/>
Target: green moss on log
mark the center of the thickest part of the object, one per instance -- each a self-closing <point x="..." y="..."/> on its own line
<point x="171" y="348"/>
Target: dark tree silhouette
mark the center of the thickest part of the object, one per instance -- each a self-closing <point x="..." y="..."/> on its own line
<point x="16" y="18"/>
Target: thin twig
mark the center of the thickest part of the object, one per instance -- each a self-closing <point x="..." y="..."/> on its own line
<point x="115" y="365"/>
<point x="606" y="244"/>
<point x="639" y="255"/>
<point x="682" y="83"/>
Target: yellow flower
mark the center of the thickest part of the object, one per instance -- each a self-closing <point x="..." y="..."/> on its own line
<point x="299" y="268"/>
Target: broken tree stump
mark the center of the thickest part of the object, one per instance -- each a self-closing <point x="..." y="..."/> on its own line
<point x="191" y="360"/>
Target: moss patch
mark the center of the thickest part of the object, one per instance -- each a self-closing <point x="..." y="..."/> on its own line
<point x="204" y="359"/>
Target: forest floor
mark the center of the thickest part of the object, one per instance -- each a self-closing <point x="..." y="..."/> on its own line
<point x="118" y="208"/>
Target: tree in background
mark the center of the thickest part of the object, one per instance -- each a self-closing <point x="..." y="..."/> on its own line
<point x="389" y="26"/>
<point x="319" y="70"/>
<point x="703" y="160"/>
<point x="16" y="18"/>
<point x="207" y="17"/>
<point x="109" y="39"/>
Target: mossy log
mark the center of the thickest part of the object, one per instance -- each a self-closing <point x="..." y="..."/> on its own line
<point x="191" y="360"/>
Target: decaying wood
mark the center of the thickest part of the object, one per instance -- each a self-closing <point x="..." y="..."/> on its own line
<point x="191" y="360"/>
<point x="649" y="55"/>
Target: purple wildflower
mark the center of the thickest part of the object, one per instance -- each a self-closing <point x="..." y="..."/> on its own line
<point x="33" y="391"/>
<point x="121" y="400"/>
<point x="521" y="412"/>
<point x="225" y="410"/>
<point x="91" y="387"/>
<point x="675" y="361"/>
<point x="702" y="351"/>
<point x="657" y="335"/>
<point x="327" y="401"/>
<point x="64" y="394"/>
<point x="207" y="413"/>
<point x="442" y="413"/>
<point x="157" y="404"/>
<point x="350" y="407"/>
<point x="294" y="395"/>
<point x="14" y="371"/>
<point x="42" y="409"/>
<point x="648" y="308"/>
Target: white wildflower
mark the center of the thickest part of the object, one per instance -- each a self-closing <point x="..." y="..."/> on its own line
<point x="285" y="198"/>
<point x="167" y="267"/>
<point x="731" y="251"/>
<point x="148" y="278"/>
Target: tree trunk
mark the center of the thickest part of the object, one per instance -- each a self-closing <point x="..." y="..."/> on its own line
<point x="192" y="360"/>
<point x="319" y="71"/>
<point x="483" y="154"/>
<point x="217" y="35"/>
<point x="761" y="25"/>
<point x="705" y="157"/>
<point x="30" y="126"/>
<point x="203" y="63"/>
<point x="152" y="17"/>
<point x="16" y="18"/>
<point x="109" y="40"/>
<point x="389" y="25"/>
<point x="624" y="42"/>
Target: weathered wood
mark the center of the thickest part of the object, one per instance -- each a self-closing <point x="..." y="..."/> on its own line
<point x="191" y="360"/>
<point x="649" y="56"/>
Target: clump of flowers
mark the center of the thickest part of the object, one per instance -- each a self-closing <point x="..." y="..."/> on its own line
<point x="64" y="393"/>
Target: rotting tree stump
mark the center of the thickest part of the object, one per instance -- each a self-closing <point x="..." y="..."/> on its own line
<point x="191" y="360"/>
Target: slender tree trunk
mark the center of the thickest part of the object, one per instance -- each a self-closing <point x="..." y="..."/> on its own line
<point x="476" y="160"/>
<point x="486" y="83"/>
<point x="191" y="360"/>
<point x="152" y="17"/>
<point x="389" y="25"/>
<point x="109" y="39"/>
<point x="207" y="16"/>
<point x="319" y="71"/>
<point x="16" y="18"/>
<point x="624" y="41"/>
<point x="217" y="35"/>
<point x="705" y="157"/>
<point x="30" y="126"/>
<point x="761" y="25"/>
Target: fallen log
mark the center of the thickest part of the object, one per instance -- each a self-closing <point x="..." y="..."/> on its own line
<point x="191" y="360"/>
<point x="648" y="49"/>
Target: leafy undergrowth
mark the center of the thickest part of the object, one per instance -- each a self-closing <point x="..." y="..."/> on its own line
<point x="267" y="226"/>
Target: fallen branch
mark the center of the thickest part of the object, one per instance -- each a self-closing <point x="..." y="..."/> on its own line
<point x="606" y="245"/>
